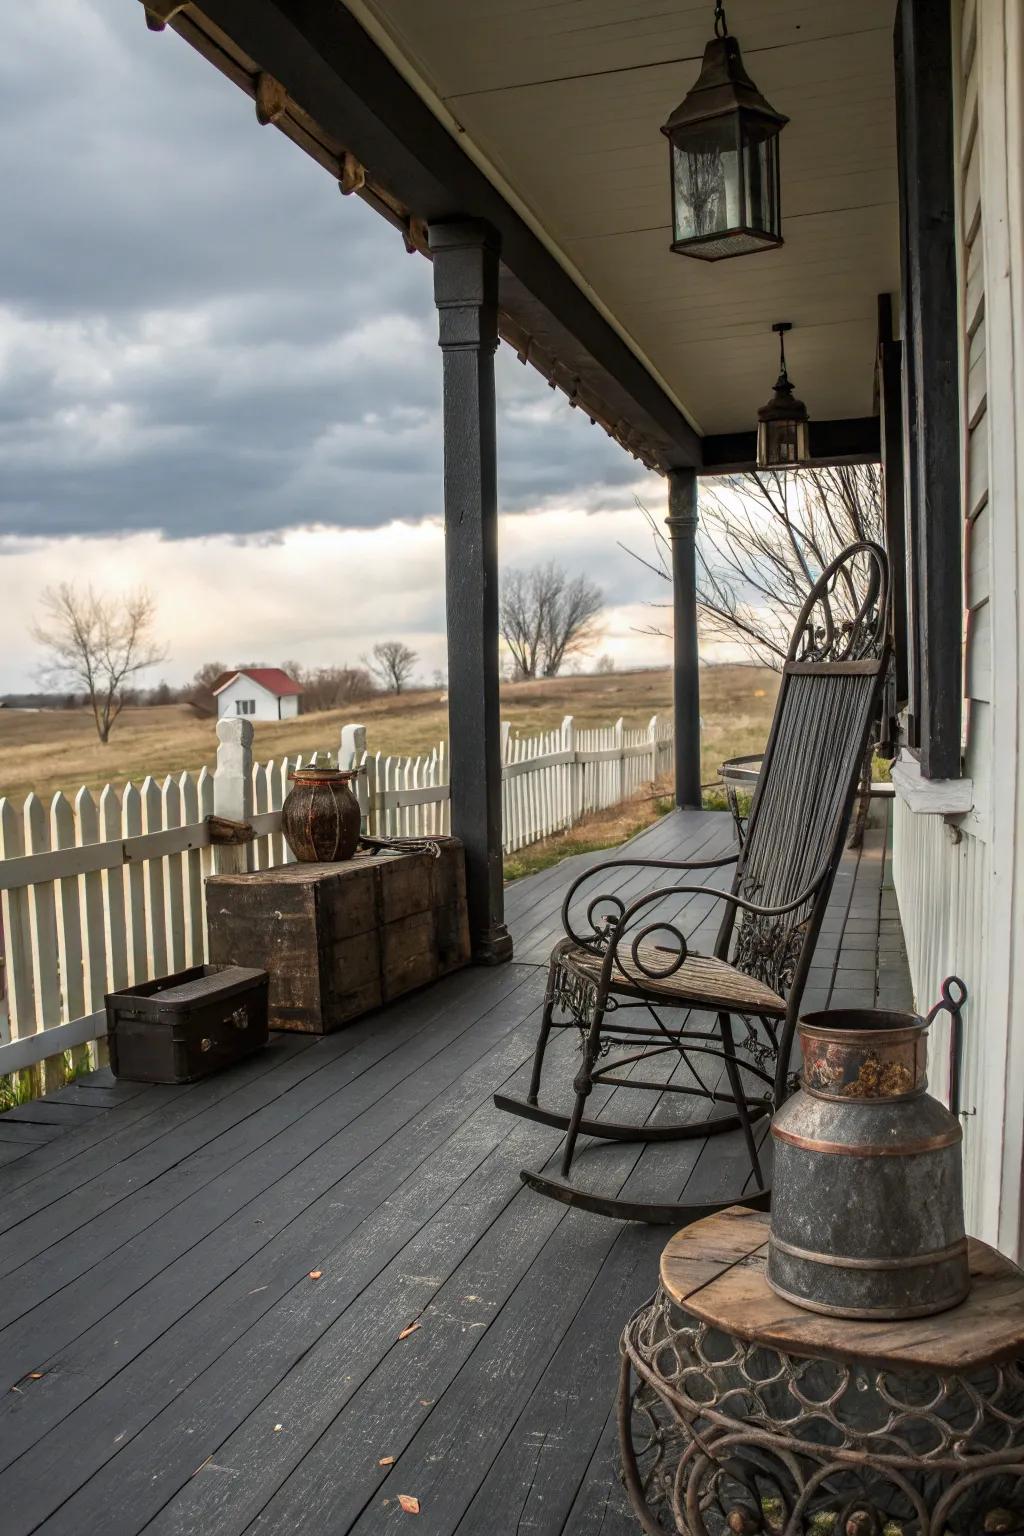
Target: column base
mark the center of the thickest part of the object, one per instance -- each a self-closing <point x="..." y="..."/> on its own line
<point x="493" y="947"/>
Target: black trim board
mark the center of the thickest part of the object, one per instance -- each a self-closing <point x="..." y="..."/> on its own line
<point x="853" y="441"/>
<point x="334" y="72"/>
<point x="931" y="396"/>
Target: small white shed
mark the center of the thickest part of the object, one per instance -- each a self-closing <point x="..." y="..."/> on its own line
<point x="259" y="693"/>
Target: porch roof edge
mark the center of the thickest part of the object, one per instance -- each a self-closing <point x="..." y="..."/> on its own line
<point x="329" y="86"/>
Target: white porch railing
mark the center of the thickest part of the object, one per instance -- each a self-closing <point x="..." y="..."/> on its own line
<point x="102" y="892"/>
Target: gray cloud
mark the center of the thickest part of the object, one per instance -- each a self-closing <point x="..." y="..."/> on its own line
<point x="197" y="332"/>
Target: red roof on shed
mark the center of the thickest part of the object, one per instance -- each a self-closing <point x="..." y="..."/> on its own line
<point x="272" y="678"/>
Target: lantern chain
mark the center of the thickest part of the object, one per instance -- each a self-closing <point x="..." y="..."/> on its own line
<point x="721" y="25"/>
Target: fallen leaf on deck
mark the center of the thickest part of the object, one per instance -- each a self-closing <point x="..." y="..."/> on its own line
<point x="386" y="1461"/>
<point x="426" y="1402"/>
<point x="411" y="1329"/>
<point x="409" y="1504"/>
<point x="278" y="1427"/>
<point x="315" y="1274"/>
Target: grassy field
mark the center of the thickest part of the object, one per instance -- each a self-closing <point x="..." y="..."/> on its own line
<point x="58" y="749"/>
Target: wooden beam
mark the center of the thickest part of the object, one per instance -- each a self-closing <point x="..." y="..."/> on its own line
<point x="931" y="402"/>
<point x="853" y="441"/>
<point x="682" y="525"/>
<point x="465" y="257"/>
<point x="345" y="98"/>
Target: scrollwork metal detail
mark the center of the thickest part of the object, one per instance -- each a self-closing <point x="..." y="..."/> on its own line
<point x="845" y="614"/>
<point x="720" y="1435"/>
<point x="769" y="948"/>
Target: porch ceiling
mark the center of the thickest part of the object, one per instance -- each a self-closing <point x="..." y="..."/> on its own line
<point x="563" y="99"/>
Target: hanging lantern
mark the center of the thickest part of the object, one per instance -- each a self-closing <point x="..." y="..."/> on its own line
<point x="782" y="430"/>
<point x="724" y="152"/>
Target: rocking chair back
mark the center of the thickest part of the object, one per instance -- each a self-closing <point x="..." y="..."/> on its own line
<point x="612" y="971"/>
<point x="827" y="704"/>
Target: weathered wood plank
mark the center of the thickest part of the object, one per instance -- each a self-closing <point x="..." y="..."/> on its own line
<point x="716" y="1271"/>
<point x="177" y="1321"/>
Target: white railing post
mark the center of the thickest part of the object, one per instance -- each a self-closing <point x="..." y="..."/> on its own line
<point x="652" y="738"/>
<point x="232" y="790"/>
<point x="353" y="745"/>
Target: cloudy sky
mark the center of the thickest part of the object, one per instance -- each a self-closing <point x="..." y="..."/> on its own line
<point x="220" y="378"/>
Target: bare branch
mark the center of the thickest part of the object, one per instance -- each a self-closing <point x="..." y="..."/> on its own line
<point x="764" y="539"/>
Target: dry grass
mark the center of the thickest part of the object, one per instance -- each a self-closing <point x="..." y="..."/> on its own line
<point x="58" y="749"/>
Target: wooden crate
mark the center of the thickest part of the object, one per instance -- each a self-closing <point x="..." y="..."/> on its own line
<point x="340" y="939"/>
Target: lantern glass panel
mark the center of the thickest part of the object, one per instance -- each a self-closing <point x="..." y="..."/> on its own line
<point x="782" y="443"/>
<point x="760" y="170"/>
<point x="706" y="183"/>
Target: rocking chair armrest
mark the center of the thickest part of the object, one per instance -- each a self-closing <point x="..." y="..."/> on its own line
<point x="678" y="957"/>
<point x="599" y="869"/>
<point x="730" y="896"/>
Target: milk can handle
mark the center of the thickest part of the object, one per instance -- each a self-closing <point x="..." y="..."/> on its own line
<point x="952" y="997"/>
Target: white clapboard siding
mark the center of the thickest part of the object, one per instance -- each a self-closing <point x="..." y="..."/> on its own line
<point x="978" y="670"/>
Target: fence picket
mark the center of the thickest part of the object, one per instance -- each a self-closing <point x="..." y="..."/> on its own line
<point x="90" y="900"/>
<point x="174" y="879"/>
<point x="17" y="941"/>
<point x="262" y="778"/>
<point x="135" y="890"/>
<point x="156" y="912"/>
<point x="192" y="871"/>
<point x="68" y="917"/>
<point x="42" y="924"/>
<point x="205" y="789"/>
<point x="115" y="927"/>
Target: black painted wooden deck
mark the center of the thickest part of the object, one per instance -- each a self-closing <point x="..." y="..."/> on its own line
<point x="171" y="1365"/>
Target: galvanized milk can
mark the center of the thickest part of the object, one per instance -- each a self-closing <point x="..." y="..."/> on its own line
<point x="867" y="1203"/>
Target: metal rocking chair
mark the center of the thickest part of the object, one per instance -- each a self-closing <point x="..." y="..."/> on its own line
<point x="827" y="705"/>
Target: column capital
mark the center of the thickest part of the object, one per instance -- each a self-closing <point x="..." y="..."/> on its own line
<point x="465" y="262"/>
<point x="682" y="503"/>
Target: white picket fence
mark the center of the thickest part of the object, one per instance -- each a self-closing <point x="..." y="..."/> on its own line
<point x="102" y="892"/>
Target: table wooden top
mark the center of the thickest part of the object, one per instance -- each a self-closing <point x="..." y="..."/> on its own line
<point x="715" y="1269"/>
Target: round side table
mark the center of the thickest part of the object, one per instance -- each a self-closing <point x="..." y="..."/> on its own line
<point x="741" y="1413"/>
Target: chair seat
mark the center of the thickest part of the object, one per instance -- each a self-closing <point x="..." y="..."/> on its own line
<point x="700" y="982"/>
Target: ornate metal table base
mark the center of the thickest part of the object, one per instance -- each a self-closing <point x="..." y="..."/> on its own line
<point x="723" y="1435"/>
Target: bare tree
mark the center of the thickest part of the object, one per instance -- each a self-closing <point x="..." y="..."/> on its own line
<point x="199" y="692"/>
<point x="97" y="641"/>
<point x="332" y="687"/>
<point x="545" y="617"/>
<point x="764" y="539"/>
<point x="523" y="604"/>
<point x="393" y="662"/>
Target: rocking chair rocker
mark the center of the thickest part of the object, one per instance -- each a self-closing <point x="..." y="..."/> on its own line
<point x="827" y="705"/>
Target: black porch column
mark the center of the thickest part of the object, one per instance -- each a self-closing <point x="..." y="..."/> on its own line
<point x="465" y="257"/>
<point x="682" y="525"/>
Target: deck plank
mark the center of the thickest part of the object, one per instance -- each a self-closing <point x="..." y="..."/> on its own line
<point x="155" y="1260"/>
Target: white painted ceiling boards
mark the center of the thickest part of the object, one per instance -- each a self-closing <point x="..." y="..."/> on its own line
<point x="565" y="99"/>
